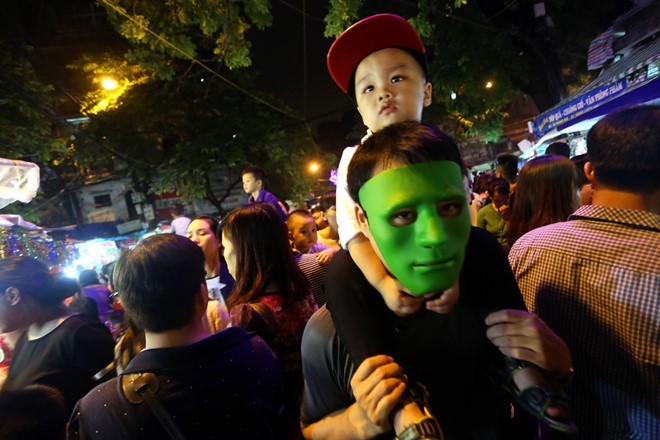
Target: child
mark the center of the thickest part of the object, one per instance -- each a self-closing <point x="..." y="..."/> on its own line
<point x="253" y="184"/>
<point x="380" y="62"/>
<point x="180" y="222"/>
<point x="303" y="236"/>
<point x="329" y="235"/>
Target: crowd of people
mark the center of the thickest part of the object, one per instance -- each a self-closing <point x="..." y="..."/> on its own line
<point x="402" y="306"/>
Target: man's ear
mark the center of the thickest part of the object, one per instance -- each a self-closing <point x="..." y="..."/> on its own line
<point x="428" y="93"/>
<point x="590" y="173"/>
<point x="12" y="296"/>
<point x="203" y="296"/>
<point x="361" y="217"/>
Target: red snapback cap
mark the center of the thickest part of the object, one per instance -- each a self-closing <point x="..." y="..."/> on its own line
<point x="364" y="37"/>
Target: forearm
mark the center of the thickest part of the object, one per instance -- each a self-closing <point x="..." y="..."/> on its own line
<point x="343" y="424"/>
<point x="366" y="259"/>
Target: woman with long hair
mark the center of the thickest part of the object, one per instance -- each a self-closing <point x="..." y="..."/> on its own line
<point x="546" y="193"/>
<point x="58" y="348"/>
<point x="203" y="230"/>
<point x="271" y="295"/>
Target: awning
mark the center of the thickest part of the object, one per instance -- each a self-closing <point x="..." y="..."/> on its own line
<point x="632" y="80"/>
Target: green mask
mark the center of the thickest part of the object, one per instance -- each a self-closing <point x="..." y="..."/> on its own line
<point x="418" y="217"/>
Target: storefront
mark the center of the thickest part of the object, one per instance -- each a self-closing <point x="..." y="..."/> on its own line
<point x="632" y="80"/>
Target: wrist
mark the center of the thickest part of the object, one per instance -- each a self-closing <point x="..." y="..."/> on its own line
<point x="362" y="426"/>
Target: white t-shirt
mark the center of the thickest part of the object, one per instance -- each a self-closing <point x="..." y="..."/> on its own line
<point x="347" y="224"/>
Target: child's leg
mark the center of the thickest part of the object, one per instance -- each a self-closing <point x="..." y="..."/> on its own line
<point x="361" y="318"/>
<point x="364" y="324"/>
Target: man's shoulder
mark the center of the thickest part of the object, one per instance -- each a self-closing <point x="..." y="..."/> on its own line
<point x="327" y="368"/>
<point x="104" y="395"/>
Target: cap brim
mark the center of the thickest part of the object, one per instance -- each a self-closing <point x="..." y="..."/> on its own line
<point x="364" y="37"/>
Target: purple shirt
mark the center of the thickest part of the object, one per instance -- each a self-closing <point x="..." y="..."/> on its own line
<point x="267" y="197"/>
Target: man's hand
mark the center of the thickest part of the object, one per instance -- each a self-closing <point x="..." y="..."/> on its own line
<point x="445" y="302"/>
<point x="377" y="385"/>
<point x="523" y="335"/>
<point x="396" y="299"/>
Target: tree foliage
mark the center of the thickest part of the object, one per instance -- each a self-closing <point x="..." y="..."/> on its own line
<point x="26" y="115"/>
<point x="183" y="29"/>
<point x="170" y="134"/>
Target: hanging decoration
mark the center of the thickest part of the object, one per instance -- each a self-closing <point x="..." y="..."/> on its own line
<point x="15" y="241"/>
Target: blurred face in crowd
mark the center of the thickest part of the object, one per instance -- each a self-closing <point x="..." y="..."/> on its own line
<point x="500" y="198"/>
<point x="416" y="218"/>
<point x="250" y="184"/>
<point x="199" y="231"/>
<point x="390" y="87"/>
<point x="229" y="253"/>
<point x="331" y="217"/>
<point x="320" y="220"/>
<point x="302" y="232"/>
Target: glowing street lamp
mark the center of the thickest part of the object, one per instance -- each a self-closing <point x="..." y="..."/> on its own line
<point x="314" y="167"/>
<point x="109" y="83"/>
<point x="489" y="85"/>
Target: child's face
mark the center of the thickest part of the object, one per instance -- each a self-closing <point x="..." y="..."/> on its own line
<point x="250" y="184"/>
<point x="390" y="87"/>
<point x="302" y="231"/>
<point x="418" y="223"/>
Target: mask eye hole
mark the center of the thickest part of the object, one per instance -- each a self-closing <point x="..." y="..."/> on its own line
<point x="450" y="209"/>
<point x="403" y="217"/>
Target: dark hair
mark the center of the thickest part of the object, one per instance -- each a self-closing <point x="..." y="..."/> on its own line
<point x="546" y="193"/>
<point x="481" y="182"/>
<point x="32" y="278"/>
<point x="404" y="143"/>
<point x="558" y="149"/>
<point x="258" y="173"/>
<point x="87" y="277"/>
<point x="507" y="165"/>
<point x="498" y="185"/>
<point x="624" y="149"/>
<point x="298" y="213"/>
<point x="177" y="209"/>
<point x="328" y="199"/>
<point x="212" y="222"/>
<point x="263" y="254"/>
<point x="419" y="57"/>
<point x="34" y="412"/>
<point x="158" y="281"/>
<point x="579" y="162"/>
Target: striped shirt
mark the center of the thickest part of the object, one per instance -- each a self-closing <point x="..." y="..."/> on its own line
<point x="315" y="274"/>
<point x="595" y="279"/>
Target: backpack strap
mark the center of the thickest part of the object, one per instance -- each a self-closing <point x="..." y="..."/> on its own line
<point x="141" y="387"/>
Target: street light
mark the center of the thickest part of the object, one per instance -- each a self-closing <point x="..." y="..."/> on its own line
<point x="109" y="83"/>
<point x="489" y="85"/>
<point x="314" y="167"/>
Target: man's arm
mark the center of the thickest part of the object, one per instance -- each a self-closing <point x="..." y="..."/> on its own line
<point x="523" y="335"/>
<point x="377" y="385"/>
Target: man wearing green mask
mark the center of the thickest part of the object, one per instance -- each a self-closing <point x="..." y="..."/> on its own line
<point x="407" y="182"/>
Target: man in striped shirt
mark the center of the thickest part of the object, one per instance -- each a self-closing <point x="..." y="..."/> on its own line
<point x="595" y="279"/>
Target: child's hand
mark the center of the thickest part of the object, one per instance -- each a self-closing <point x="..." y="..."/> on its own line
<point x="399" y="302"/>
<point x="445" y="302"/>
<point x="325" y="256"/>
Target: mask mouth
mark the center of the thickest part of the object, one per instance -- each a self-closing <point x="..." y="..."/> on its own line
<point x="432" y="266"/>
